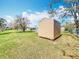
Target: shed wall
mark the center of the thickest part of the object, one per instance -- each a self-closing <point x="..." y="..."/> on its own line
<point x="49" y="29"/>
<point x="57" y="29"/>
<point x="46" y="29"/>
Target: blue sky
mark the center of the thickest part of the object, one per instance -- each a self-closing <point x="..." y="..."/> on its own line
<point x="15" y="7"/>
<point x="10" y="8"/>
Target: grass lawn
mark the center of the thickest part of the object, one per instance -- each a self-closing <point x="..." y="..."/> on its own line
<point x="27" y="45"/>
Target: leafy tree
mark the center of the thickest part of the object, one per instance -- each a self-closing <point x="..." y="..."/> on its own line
<point x="2" y="24"/>
<point x="22" y="23"/>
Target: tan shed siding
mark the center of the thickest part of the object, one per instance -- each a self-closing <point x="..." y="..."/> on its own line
<point x="56" y="29"/>
<point x="49" y="29"/>
<point x="46" y="29"/>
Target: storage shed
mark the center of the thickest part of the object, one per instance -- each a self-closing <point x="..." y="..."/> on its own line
<point x="49" y="28"/>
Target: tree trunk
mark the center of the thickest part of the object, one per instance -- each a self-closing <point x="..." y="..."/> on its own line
<point x="76" y="23"/>
<point x="77" y="27"/>
<point x="24" y="29"/>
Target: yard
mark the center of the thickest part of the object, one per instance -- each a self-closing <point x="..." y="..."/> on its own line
<point x="27" y="45"/>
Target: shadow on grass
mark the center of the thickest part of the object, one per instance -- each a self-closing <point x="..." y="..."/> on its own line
<point x="24" y="32"/>
<point x="51" y="39"/>
<point x="5" y="33"/>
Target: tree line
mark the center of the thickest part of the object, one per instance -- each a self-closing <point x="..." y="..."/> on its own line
<point x="19" y="22"/>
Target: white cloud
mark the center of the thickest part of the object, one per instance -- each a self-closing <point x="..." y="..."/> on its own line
<point x="44" y="14"/>
<point x="25" y="14"/>
<point x="61" y="7"/>
<point x="35" y="17"/>
<point x="9" y="18"/>
<point x="37" y="12"/>
<point x="32" y="17"/>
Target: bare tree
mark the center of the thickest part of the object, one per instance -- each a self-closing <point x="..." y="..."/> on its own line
<point x="22" y="23"/>
<point x="73" y="10"/>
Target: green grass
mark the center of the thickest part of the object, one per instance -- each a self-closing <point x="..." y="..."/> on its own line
<point x="27" y="45"/>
